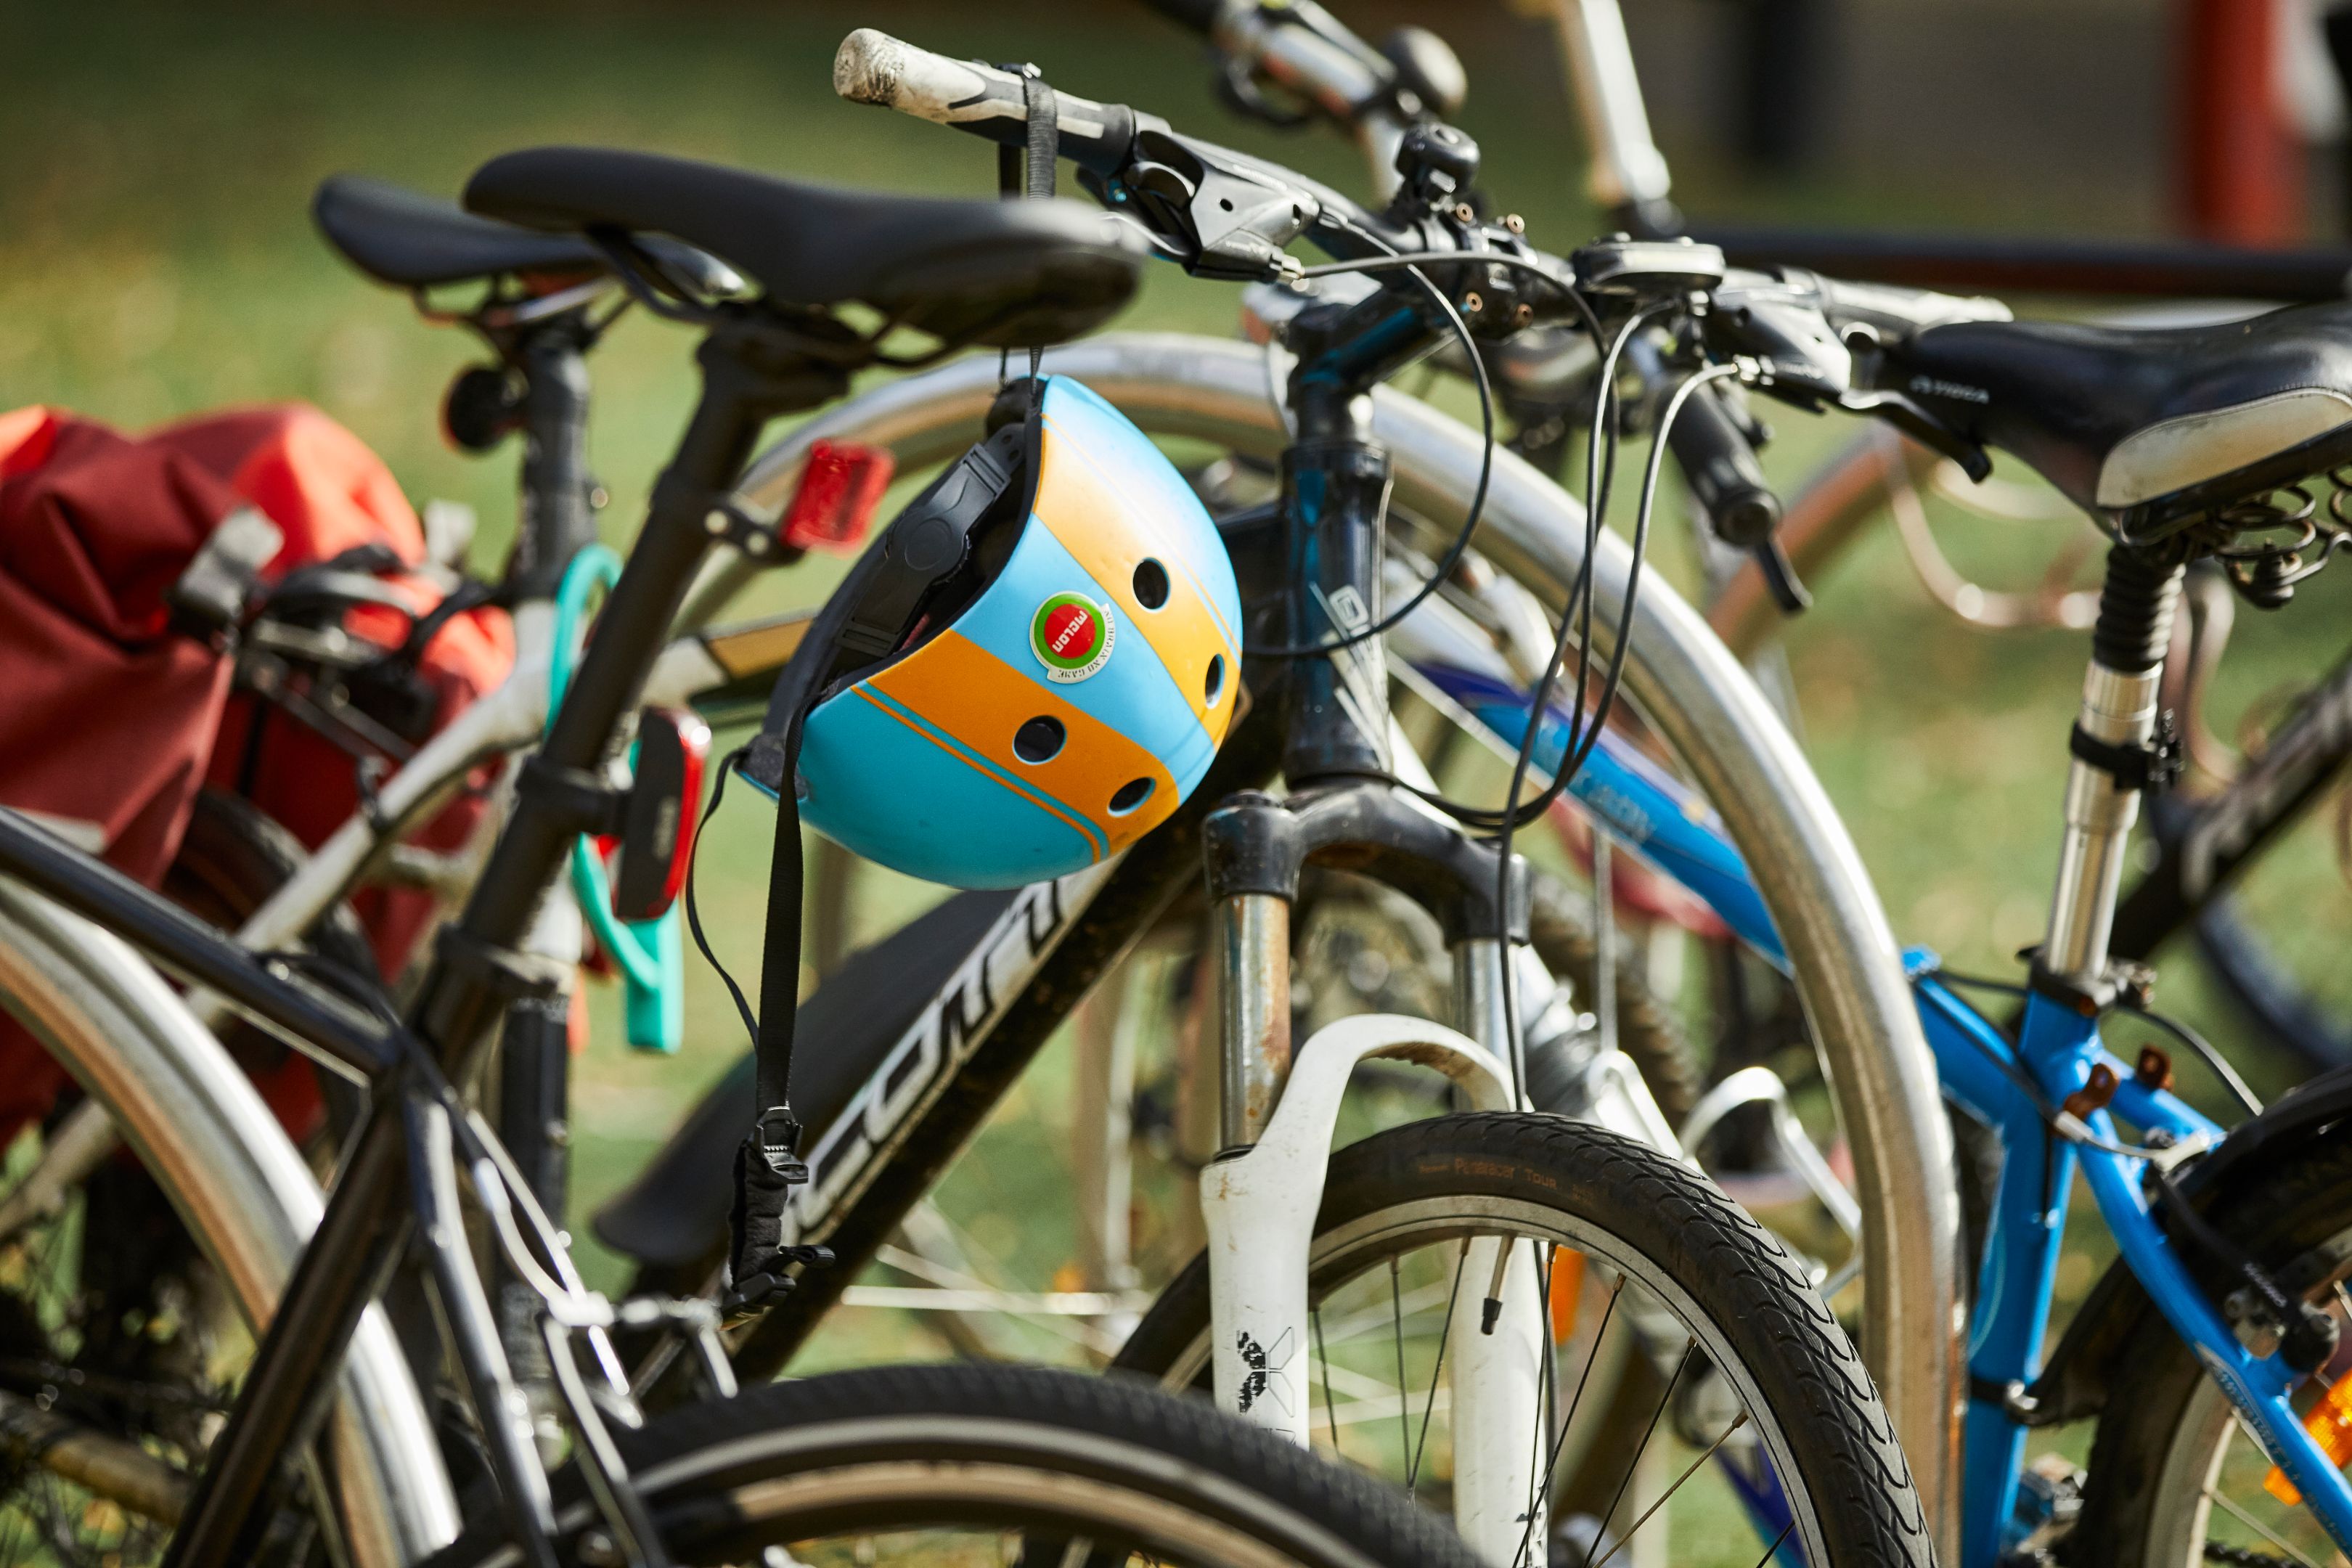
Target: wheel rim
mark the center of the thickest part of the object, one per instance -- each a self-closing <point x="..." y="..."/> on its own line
<point x="2209" y="1494"/>
<point x="945" y="1491"/>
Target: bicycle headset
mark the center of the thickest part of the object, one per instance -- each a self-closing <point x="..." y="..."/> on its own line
<point x="1034" y="669"/>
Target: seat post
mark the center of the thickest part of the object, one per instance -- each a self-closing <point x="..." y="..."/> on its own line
<point x="749" y="375"/>
<point x="2118" y="711"/>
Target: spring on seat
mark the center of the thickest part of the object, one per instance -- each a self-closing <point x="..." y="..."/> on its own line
<point x="2135" y="602"/>
<point x="2272" y="543"/>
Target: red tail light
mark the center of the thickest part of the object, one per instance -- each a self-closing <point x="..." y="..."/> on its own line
<point x="839" y="490"/>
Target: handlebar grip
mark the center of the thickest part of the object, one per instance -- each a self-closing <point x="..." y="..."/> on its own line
<point x="1721" y="468"/>
<point x="872" y="67"/>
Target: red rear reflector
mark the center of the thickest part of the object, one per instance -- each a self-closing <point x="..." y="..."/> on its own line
<point x="839" y="490"/>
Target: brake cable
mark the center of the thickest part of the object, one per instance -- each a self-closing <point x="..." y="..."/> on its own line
<point x="1460" y="546"/>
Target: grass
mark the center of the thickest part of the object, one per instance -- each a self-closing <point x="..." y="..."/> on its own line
<point x="157" y="260"/>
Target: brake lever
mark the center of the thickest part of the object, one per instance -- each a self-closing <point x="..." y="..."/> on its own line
<point x="1232" y="213"/>
<point x="1788" y="590"/>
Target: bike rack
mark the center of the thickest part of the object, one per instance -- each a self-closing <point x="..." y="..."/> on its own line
<point x="193" y="1117"/>
<point x="1699" y="698"/>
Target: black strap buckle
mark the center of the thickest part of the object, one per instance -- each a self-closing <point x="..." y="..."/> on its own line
<point x="2154" y="766"/>
<point x="770" y="1281"/>
<point x="779" y="1136"/>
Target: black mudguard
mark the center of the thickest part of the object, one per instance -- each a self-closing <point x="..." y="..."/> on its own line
<point x="674" y="1214"/>
<point x="2075" y="1381"/>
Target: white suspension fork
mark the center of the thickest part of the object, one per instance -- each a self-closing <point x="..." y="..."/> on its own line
<point x="1259" y="1202"/>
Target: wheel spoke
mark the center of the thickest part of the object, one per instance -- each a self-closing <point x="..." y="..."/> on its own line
<point x="1323" y="1360"/>
<point x="1404" y="1415"/>
<point x="1635" y="1528"/>
<point x="1551" y="1462"/>
<point x="1775" y="1543"/>
<point x="1436" y="1374"/>
<point x="1690" y="1347"/>
<point x="2256" y="1525"/>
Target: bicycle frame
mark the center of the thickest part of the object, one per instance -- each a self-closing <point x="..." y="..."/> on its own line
<point x="476" y="976"/>
<point x="1980" y="1067"/>
<point x="408" y="1092"/>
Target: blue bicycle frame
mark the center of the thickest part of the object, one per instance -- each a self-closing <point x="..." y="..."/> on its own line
<point x="1652" y="814"/>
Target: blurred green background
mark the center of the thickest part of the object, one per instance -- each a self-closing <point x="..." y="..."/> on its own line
<point x="157" y="260"/>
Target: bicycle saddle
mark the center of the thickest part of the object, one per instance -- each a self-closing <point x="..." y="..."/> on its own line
<point x="1004" y="273"/>
<point x="413" y="241"/>
<point x="2147" y="427"/>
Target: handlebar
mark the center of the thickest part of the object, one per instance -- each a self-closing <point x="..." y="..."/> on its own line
<point x="1223" y="214"/>
<point x="1218" y="212"/>
<point x="872" y="67"/>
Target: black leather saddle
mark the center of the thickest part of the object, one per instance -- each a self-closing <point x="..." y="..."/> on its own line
<point x="2147" y="427"/>
<point x="1010" y="273"/>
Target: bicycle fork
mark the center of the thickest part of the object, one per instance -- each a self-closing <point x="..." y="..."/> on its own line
<point x="1261" y="1196"/>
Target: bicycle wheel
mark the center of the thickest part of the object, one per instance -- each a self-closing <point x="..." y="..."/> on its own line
<point x="970" y="1465"/>
<point x="116" y="1344"/>
<point x="2174" y="1478"/>
<point x="1751" y="1368"/>
<point x="118" y="1339"/>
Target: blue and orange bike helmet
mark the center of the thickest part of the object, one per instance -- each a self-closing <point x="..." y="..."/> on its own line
<point x="1034" y="669"/>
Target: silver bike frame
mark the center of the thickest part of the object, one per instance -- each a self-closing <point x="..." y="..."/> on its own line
<point x="1841" y="950"/>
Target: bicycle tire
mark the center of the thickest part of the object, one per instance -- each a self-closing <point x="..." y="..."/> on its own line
<point x="233" y="856"/>
<point x="1611" y="1196"/>
<point x="2166" y="1427"/>
<point x="1015" y="1446"/>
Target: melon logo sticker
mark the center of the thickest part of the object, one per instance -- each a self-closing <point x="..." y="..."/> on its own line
<point x="1071" y="636"/>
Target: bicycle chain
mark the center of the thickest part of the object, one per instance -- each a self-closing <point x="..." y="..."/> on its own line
<point x="2245" y="1556"/>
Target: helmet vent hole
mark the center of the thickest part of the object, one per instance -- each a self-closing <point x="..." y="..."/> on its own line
<point x="1152" y="585"/>
<point x="1039" y="740"/>
<point x="1130" y="795"/>
<point x="1212" y="685"/>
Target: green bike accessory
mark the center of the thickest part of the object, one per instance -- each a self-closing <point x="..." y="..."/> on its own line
<point x="649" y="953"/>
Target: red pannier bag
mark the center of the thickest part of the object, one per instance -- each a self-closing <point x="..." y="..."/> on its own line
<point x="112" y="720"/>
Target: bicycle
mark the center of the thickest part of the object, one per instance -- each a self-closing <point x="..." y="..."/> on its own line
<point x="432" y="769"/>
<point x="545" y="301"/>
<point x="2197" y="848"/>
<point x="1995" y="1407"/>
<point x="2138" y="1355"/>
<point x="873" y="1461"/>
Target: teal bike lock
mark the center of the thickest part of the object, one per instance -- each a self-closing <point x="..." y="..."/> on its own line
<point x="650" y="954"/>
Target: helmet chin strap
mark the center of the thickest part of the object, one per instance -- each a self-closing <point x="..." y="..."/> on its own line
<point x="864" y="622"/>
